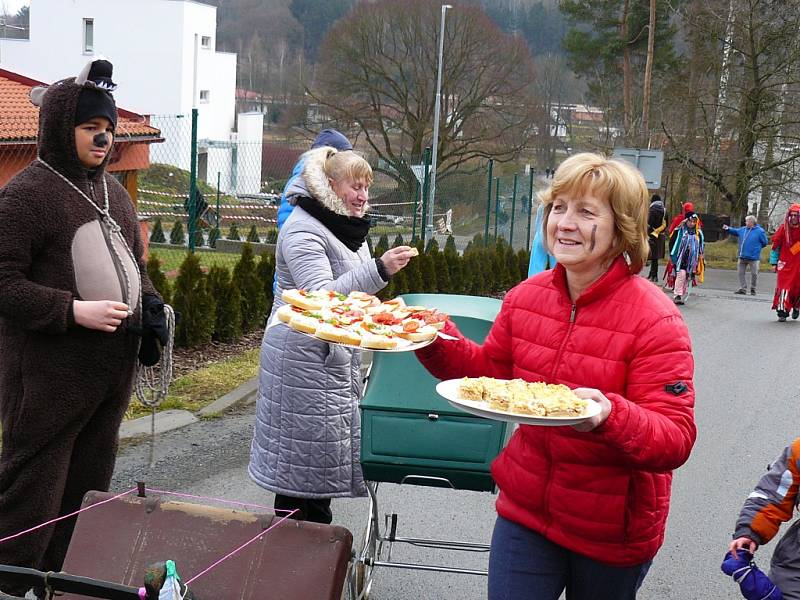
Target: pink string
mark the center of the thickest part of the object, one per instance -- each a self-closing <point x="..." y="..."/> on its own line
<point x="222" y="500"/>
<point x="201" y="573"/>
<point x="242" y="547"/>
<point x="57" y="519"/>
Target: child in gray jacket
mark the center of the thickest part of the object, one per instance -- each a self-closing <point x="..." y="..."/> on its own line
<point x="771" y="503"/>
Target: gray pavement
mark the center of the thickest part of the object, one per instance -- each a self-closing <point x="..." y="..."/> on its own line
<point x="747" y="409"/>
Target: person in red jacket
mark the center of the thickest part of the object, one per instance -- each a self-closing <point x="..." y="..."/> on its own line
<point x="785" y="259"/>
<point x="677" y="220"/>
<point x="584" y="508"/>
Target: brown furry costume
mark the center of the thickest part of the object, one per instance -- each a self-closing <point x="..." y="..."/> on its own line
<point x="63" y="388"/>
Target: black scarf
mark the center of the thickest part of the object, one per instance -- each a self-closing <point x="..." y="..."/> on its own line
<point x="351" y="231"/>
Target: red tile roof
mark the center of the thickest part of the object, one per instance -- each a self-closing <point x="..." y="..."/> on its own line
<point x="19" y="119"/>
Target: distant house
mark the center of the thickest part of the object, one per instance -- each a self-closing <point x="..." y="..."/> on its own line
<point x="165" y="63"/>
<point x="583" y="114"/>
<point x="250" y="101"/>
<point x="19" y="127"/>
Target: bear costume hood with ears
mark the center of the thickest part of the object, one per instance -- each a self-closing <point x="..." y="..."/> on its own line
<point x="58" y="107"/>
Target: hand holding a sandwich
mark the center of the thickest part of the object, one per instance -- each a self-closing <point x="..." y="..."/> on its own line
<point x="397" y="258"/>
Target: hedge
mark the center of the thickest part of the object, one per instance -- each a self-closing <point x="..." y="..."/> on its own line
<point x="224" y="304"/>
<point x="157" y="235"/>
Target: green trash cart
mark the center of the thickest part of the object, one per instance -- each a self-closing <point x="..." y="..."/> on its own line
<point x="411" y="435"/>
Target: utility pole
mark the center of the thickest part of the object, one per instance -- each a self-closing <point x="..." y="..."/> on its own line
<point x="436" y="115"/>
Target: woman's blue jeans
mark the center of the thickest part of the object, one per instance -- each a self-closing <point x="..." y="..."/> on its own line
<point x="523" y="565"/>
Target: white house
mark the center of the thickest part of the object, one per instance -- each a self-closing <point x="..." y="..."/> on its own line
<point x="165" y="63"/>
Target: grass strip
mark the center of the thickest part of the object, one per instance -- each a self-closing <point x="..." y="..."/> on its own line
<point x="200" y="388"/>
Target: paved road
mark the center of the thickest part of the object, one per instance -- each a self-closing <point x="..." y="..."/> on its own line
<point x="747" y="410"/>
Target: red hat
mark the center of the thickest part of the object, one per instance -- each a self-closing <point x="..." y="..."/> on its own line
<point x="687" y="206"/>
<point x="794" y="208"/>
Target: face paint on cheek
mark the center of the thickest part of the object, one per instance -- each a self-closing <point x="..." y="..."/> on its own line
<point x="100" y="140"/>
<point x="594" y="238"/>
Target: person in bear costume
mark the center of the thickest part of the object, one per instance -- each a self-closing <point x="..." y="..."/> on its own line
<point x="72" y="278"/>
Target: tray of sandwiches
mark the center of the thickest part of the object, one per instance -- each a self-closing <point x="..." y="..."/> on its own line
<point x="517" y="401"/>
<point x="360" y="320"/>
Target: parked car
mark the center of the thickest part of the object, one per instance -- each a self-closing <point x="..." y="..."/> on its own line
<point x="376" y="218"/>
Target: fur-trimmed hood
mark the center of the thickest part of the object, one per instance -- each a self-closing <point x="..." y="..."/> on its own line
<point x="313" y="182"/>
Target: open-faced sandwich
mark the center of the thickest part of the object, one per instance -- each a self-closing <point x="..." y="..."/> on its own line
<point x="359" y="319"/>
<point x="335" y="333"/>
<point x="414" y="330"/>
<point x="378" y="342"/>
<point x="287" y="311"/>
<point x="306" y="324"/>
<point x="312" y="300"/>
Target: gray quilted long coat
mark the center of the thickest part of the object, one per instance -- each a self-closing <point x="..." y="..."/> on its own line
<point x="307" y="434"/>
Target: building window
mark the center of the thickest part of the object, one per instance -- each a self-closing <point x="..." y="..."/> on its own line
<point x="205" y="41"/>
<point x="205" y="96"/>
<point x="88" y="36"/>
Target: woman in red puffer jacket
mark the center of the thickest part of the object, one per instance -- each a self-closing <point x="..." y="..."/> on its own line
<point x="585" y="507"/>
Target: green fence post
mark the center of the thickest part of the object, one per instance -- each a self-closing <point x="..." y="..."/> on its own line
<point x="488" y="204"/>
<point x="530" y="209"/>
<point x="496" y="204"/>
<point x="513" y="211"/>
<point x="417" y="191"/>
<point x="192" y="222"/>
<point x="219" y="221"/>
<point x="425" y="189"/>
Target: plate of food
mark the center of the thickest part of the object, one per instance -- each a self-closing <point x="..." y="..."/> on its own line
<point x="517" y="401"/>
<point x="360" y="320"/>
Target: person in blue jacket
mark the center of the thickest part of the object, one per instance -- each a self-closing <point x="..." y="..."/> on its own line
<point x="541" y="259"/>
<point x="326" y="137"/>
<point x="752" y="239"/>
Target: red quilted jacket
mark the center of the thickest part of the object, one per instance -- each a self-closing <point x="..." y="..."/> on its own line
<point x="603" y="494"/>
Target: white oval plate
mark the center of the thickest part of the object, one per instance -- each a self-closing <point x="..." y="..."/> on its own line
<point x="449" y="390"/>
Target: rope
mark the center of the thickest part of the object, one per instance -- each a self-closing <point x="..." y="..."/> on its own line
<point x="240" y="548"/>
<point x="152" y="213"/>
<point x="125" y="493"/>
<point x="61" y="518"/>
<point x="242" y="206"/>
<point x="113" y="229"/>
<point x="152" y="383"/>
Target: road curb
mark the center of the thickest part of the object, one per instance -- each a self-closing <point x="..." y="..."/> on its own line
<point x="175" y="419"/>
<point x="165" y="421"/>
<point x="244" y="394"/>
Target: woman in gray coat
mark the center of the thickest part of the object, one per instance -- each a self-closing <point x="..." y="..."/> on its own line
<point x="307" y="437"/>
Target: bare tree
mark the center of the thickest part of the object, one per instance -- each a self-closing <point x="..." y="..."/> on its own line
<point x="648" y="74"/>
<point x="756" y="122"/>
<point x="378" y="73"/>
<point x="551" y="79"/>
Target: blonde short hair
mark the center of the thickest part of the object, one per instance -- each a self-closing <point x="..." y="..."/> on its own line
<point x="348" y="166"/>
<point x="617" y="182"/>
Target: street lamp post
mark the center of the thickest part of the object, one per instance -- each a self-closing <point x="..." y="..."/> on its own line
<point x="436" y="115"/>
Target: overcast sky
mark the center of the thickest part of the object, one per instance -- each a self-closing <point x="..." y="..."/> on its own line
<point x="12" y="6"/>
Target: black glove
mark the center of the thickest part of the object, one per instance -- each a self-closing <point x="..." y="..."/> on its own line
<point x="155" y="333"/>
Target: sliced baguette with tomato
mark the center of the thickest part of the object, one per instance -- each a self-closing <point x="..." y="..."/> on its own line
<point x="415" y="331"/>
<point x="306" y="300"/>
<point x="378" y="342"/>
<point x="287" y="311"/>
<point x="304" y="324"/>
<point x="340" y="335"/>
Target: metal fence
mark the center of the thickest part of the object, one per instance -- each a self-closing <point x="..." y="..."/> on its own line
<point x="178" y="172"/>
